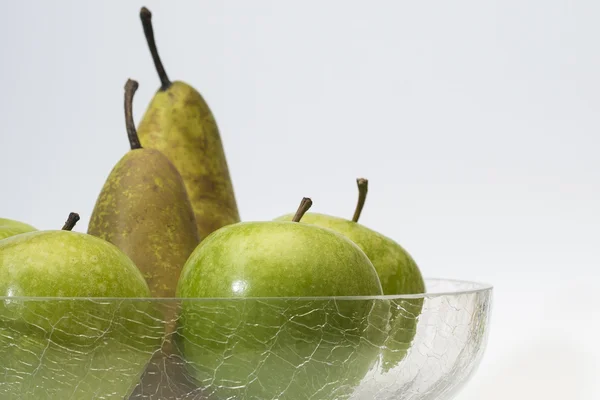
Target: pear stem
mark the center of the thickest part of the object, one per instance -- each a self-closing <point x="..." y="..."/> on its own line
<point x="146" y="17"/>
<point x="71" y="221"/>
<point x="363" y="188"/>
<point x="130" y="88"/>
<point x="305" y="204"/>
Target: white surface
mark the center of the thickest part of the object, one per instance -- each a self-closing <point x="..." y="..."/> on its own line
<point x="478" y="124"/>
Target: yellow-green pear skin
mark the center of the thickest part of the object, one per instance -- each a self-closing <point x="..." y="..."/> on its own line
<point x="180" y="124"/>
<point x="145" y="211"/>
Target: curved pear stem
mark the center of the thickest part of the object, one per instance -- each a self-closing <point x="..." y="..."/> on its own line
<point x="305" y="204"/>
<point x="146" y="17"/>
<point x="70" y="222"/>
<point x="130" y="88"/>
<point x="363" y="188"/>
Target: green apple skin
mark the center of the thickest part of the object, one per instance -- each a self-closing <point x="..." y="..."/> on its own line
<point x="9" y="227"/>
<point x="267" y="327"/>
<point x="398" y="273"/>
<point x="272" y="259"/>
<point x="65" y="348"/>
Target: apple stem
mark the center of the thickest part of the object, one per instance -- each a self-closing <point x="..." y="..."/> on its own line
<point x="363" y="188"/>
<point x="305" y="204"/>
<point x="71" y="221"/>
<point x="130" y="88"/>
<point x="146" y="17"/>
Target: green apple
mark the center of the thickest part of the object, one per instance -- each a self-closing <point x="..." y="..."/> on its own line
<point x="9" y="227"/>
<point x="398" y="273"/>
<point x="268" y="326"/>
<point x="60" y="337"/>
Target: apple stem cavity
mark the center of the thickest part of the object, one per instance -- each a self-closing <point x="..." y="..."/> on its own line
<point x="305" y="204"/>
<point x="146" y="17"/>
<point x="70" y="222"/>
<point x="130" y="88"/>
<point x="363" y="188"/>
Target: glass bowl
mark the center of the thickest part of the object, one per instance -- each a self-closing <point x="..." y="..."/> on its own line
<point x="419" y="347"/>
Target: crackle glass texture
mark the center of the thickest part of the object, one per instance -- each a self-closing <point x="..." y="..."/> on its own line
<point x="389" y="347"/>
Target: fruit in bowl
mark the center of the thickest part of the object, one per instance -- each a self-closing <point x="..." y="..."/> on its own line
<point x="292" y="308"/>
<point x="261" y="344"/>
<point x="397" y="271"/>
<point x="285" y="333"/>
<point x="59" y="337"/>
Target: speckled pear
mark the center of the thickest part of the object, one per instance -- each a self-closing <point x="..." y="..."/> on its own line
<point x="179" y="123"/>
<point x="10" y="227"/>
<point x="144" y="210"/>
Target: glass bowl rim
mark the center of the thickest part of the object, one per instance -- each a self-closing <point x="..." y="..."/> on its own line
<point x="477" y="287"/>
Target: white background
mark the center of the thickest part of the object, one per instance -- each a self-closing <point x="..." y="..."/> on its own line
<point x="477" y="123"/>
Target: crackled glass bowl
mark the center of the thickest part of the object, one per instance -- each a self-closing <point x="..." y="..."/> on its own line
<point x="419" y="347"/>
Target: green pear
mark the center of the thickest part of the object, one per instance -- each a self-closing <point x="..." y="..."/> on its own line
<point x="179" y="123"/>
<point x="268" y="327"/>
<point x="60" y="337"/>
<point x="397" y="270"/>
<point x="144" y="210"/>
<point x="9" y="227"/>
